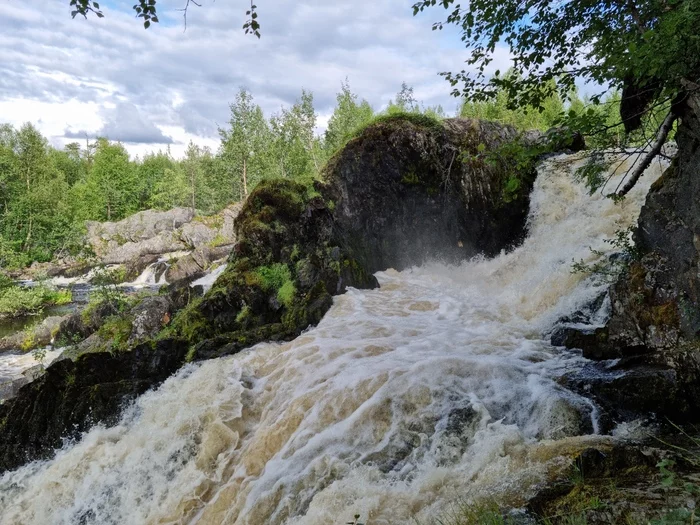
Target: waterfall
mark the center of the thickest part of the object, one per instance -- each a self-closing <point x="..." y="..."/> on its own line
<point x="441" y="385"/>
<point x="153" y="275"/>
<point x="210" y="278"/>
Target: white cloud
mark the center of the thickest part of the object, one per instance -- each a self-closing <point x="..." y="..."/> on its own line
<point x="150" y="88"/>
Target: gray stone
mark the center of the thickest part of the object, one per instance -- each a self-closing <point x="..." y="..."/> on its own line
<point x="149" y="317"/>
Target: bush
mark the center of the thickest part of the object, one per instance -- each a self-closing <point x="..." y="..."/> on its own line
<point x="17" y="301"/>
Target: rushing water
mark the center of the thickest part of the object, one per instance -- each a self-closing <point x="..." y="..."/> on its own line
<point x="439" y="385"/>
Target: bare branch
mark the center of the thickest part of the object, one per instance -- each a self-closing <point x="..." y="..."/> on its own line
<point x="184" y="11"/>
<point x="658" y="143"/>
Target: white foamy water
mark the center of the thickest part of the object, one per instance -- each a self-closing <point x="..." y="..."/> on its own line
<point x="437" y="386"/>
<point x="210" y="278"/>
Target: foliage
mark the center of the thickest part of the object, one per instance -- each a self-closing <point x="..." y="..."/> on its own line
<point x="106" y="291"/>
<point x="349" y="115"/>
<point x="554" y="44"/>
<point x="500" y="109"/>
<point x="670" y="479"/>
<point x="116" y="331"/>
<point x="17" y="301"/>
<point x="648" y="51"/>
<point x="273" y="277"/>
<point x="462" y="512"/>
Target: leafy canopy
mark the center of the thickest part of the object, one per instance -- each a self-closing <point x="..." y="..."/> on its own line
<point x="648" y="43"/>
<point x="146" y="10"/>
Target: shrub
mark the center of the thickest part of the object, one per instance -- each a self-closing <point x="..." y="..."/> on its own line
<point x="273" y="277"/>
<point x="16" y="301"/>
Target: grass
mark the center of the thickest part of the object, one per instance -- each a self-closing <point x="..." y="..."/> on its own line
<point x="462" y="512"/>
<point x="273" y="277"/>
<point x="417" y="119"/>
<point x="286" y="293"/>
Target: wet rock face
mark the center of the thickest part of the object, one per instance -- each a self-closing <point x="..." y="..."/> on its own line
<point x="73" y="395"/>
<point x="654" y="325"/>
<point x="404" y="193"/>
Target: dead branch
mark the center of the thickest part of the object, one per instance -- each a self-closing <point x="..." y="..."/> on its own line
<point x="655" y="149"/>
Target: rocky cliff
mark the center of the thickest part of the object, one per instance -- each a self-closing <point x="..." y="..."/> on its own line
<point x="654" y="326"/>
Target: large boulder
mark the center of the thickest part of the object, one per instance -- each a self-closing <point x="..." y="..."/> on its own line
<point x="104" y="237"/>
<point x="408" y="191"/>
<point x="405" y="190"/>
<point x="150" y="233"/>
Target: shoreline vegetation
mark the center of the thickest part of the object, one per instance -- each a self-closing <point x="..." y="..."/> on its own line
<point x="24" y="301"/>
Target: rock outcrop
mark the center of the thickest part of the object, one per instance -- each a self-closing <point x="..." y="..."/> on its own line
<point x="403" y="194"/>
<point x="654" y="327"/>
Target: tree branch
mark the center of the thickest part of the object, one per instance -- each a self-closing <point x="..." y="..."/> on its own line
<point x="656" y="146"/>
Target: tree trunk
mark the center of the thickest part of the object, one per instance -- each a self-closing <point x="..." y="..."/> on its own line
<point x="29" y="234"/>
<point x="245" y="179"/>
<point x="656" y="146"/>
<point x="192" y="180"/>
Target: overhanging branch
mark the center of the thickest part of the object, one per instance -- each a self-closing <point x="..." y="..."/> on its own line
<point x="659" y="141"/>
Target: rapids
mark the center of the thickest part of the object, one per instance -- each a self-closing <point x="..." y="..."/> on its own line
<point x="439" y="386"/>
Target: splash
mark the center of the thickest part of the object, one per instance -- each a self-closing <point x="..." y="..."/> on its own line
<point x="440" y="385"/>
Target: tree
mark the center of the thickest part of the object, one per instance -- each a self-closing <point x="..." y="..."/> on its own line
<point x="110" y="191"/>
<point x="295" y="147"/>
<point x="151" y="175"/>
<point x="647" y="49"/>
<point x="405" y="101"/>
<point x="348" y="116"/>
<point x="147" y="11"/>
<point x="500" y="109"/>
<point x="245" y="146"/>
<point x="34" y="213"/>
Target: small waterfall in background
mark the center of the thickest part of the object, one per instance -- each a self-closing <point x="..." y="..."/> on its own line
<point x="210" y="278"/>
<point x="441" y="385"/>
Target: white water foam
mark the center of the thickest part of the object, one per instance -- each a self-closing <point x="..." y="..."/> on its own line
<point x="437" y="386"/>
<point x="208" y="280"/>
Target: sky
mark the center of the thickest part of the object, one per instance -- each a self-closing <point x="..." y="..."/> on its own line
<point x="162" y="87"/>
